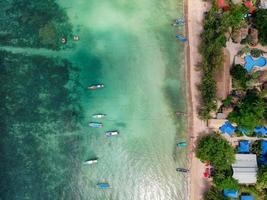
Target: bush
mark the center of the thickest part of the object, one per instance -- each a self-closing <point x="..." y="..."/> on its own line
<point x="240" y="76"/>
<point x="213" y="40"/>
<point x="234" y="17"/>
<point x="246" y="40"/>
<point x="256" y="52"/>
<point x="214" y="194"/>
<point x="223" y="181"/>
<point x="261" y="24"/>
<point x="256" y="147"/>
<point x="227" y="102"/>
<point x="215" y="149"/>
<point x="261" y="184"/>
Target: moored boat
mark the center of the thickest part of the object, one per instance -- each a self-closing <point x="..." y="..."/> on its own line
<point x="76" y="37"/>
<point x="90" y="162"/>
<point x="95" y="125"/>
<point x="181" y="38"/>
<point x="96" y="86"/>
<point x="181" y="144"/>
<point x="112" y="133"/>
<point x="98" y="116"/>
<point x="182" y="170"/>
<point x="63" y="40"/>
<point x="103" y="185"/>
<point x="179" y="21"/>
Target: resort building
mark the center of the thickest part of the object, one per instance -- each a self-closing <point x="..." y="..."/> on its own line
<point x="245" y="168"/>
<point x="263" y="4"/>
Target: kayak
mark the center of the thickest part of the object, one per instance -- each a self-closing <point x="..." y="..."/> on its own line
<point x="103" y="185"/>
<point x="181" y="144"/>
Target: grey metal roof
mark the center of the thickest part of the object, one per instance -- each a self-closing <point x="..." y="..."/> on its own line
<point x="245" y="168"/>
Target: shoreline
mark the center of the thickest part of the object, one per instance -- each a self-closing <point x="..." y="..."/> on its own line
<point x="193" y="13"/>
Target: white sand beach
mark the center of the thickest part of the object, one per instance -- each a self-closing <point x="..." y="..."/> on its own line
<point x="194" y="11"/>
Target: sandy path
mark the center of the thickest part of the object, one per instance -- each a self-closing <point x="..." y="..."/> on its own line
<point x="194" y="10"/>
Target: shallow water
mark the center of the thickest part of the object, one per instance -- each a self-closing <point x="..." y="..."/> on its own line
<point x="130" y="47"/>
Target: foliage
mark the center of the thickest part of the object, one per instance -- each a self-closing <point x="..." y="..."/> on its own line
<point x="256" y="147"/>
<point x="223" y="179"/>
<point x="226" y="182"/>
<point x="246" y="40"/>
<point x="253" y="191"/>
<point x="215" y="149"/>
<point x="256" y="52"/>
<point x="244" y="50"/>
<point x="208" y="88"/>
<point x="213" y="40"/>
<point x="234" y="17"/>
<point x="214" y="194"/>
<point x="261" y="184"/>
<point x="227" y="101"/>
<point x="240" y="76"/>
<point x="249" y="112"/>
<point x="211" y="50"/>
<point x="261" y="24"/>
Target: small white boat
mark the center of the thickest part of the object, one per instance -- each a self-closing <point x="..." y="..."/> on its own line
<point x="98" y="116"/>
<point x="112" y="133"/>
<point x="76" y="37"/>
<point x="63" y="40"/>
<point x="95" y="125"/>
<point x="95" y="87"/>
<point x="90" y="162"/>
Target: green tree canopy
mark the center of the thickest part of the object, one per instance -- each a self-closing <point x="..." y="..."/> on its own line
<point x="249" y="113"/>
<point x="223" y="180"/>
<point x="239" y="75"/>
<point x="215" y="149"/>
<point x="261" y="25"/>
<point x="214" y="194"/>
<point x="234" y="17"/>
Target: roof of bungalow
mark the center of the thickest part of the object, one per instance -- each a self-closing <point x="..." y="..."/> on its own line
<point x="230" y="193"/>
<point x="247" y="197"/>
<point x="245" y="168"/>
<point x="263" y="147"/>
<point x="262" y="158"/>
<point x="227" y="128"/>
<point x="244" y="146"/>
<point x="260" y="130"/>
<point x="263" y="4"/>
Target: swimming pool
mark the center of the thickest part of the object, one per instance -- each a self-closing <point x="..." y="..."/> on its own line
<point x="250" y="62"/>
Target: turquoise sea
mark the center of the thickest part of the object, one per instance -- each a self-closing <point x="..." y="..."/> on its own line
<point x="130" y="47"/>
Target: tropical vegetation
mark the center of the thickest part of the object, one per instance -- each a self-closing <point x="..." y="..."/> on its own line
<point x="249" y="112"/>
<point x="216" y="150"/>
<point x="216" y="24"/>
<point x="214" y="194"/>
<point x="261" y="24"/>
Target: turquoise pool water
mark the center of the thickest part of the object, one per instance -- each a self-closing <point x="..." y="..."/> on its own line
<point x="251" y="63"/>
